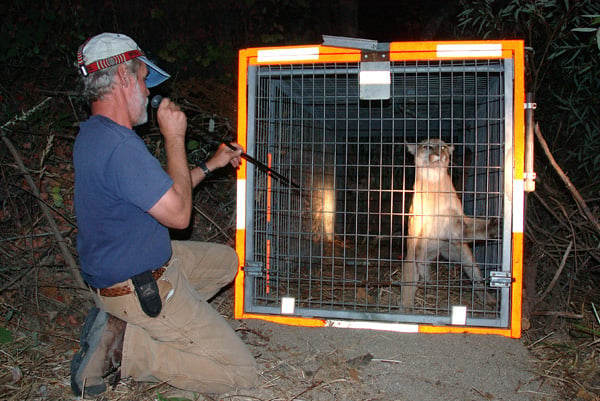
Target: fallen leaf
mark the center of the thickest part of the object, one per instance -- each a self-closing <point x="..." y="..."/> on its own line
<point x="17" y="374"/>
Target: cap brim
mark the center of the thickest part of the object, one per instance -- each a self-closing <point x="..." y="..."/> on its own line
<point x="156" y="75"/>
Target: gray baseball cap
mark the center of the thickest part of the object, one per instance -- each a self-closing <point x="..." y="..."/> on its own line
<point x="108" y="49"/>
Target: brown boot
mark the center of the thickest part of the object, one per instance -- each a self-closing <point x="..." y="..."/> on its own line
<point x="101" y="344"/>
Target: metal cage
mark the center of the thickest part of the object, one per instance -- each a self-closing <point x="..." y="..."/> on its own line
<point x="337" y="122"/>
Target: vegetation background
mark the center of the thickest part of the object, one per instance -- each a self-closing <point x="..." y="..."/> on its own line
<point x="197" y="41"/>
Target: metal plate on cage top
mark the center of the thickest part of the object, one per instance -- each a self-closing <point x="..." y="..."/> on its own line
<point x="375" y="79"/>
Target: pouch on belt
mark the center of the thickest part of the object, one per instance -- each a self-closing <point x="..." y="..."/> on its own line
<point x="147" y="293"/>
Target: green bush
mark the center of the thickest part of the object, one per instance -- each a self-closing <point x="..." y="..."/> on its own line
<point x="563" y="70"/>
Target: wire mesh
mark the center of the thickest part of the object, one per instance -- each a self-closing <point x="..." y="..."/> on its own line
<point x="338" y="245"/>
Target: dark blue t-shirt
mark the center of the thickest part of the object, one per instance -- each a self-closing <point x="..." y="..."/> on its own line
<point x="117" y="181"/>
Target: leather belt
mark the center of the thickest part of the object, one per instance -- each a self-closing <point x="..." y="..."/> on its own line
<point x="117" y="291"/>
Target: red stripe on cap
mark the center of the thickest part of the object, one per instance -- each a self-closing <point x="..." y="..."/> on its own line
<point x="111" y="61"/>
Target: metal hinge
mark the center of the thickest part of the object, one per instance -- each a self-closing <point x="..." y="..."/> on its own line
<point x="500" y="279"/>
<point x="374" y="76"/>
<point x="350" y="43"/>
<point x="253" y="268"/>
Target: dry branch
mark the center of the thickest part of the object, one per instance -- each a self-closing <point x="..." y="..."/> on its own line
<point x="576" y="195"/>
<point x="212" y="221"/>
<point x="563" y="262"/>
<point x="67" y="255"/>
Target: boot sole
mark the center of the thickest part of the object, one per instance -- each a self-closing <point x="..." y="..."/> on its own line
<point x="90" y="336"/>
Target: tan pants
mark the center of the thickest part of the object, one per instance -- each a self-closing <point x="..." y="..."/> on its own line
<point x="189" y="345"/>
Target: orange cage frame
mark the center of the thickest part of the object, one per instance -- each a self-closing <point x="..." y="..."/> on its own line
<point x="399" y="51"/>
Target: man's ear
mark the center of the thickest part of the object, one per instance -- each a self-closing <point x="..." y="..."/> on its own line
<point x="123" y="74"/>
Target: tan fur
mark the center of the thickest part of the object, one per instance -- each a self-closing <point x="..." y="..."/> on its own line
<point x="437" y="224"/>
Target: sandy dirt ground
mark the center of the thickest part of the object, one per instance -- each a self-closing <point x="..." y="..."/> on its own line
<point x="298" y="363"/>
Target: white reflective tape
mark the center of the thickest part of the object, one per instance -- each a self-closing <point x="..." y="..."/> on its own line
<point x="241" y="204"/>
<point x="294" y="54"/>
<point x="287" y="305"/>
<point x="397" y="327"/>
<point x="459" y="315"/>
<point x="375" y="78"/>
<point x="518" y="205"/>
<point x="469" y="50"/>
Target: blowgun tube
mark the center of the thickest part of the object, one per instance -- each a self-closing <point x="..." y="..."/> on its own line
<point x="155" y="102"/>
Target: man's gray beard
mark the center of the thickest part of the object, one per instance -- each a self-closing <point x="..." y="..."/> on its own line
<point x="143" y="118"/>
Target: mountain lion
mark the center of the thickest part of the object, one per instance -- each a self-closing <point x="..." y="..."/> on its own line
<point x="437" y="225"/>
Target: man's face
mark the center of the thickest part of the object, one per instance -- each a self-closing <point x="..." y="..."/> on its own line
<point x="138" y="101"/>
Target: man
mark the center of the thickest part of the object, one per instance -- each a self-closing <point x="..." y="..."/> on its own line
<point x="154" y="320"/>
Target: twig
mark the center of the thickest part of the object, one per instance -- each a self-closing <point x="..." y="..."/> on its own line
<point x="55" y="210"/>
<point x="578" y="199"/>
<point x="567" y="315"/>
<point x="586" y="330"/>
<point x="563" y="262"/>
<point x="243" y="396"/>
<point x="25" y="115"/>
<point x="19" y="326"/>
<point x="386" y="360"/>
<point x="549" y="209"/>
<point x="67" y="255"/>
<point x="207" y="217"/>
<point x="540" y="340"/>
<point x="10" y="282"/>
<point x="595" y="313"/>
<point x="317" y="385"/>
<point x="56" y="92"/>
<point x="483" y="394"/>
<point x="255" y="332"/>
<point x="40" y="235"/>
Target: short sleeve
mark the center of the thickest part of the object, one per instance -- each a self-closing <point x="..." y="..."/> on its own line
<point x="139" y="177"/>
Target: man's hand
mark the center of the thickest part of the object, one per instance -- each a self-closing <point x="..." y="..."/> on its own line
<point x="175" y="207"/>
<point x="225" y="155"/>
<point x="171" y="120"/>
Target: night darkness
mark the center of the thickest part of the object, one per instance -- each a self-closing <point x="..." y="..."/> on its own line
<point x="198" y="43"/>
<point x="389" y="20"/>
<point x="193" y="36"/>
